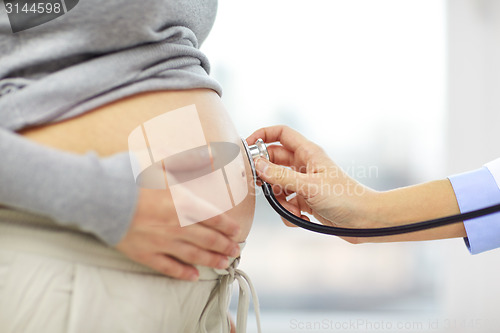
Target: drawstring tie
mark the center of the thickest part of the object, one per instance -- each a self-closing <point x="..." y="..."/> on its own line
<point x="221" y="296"/>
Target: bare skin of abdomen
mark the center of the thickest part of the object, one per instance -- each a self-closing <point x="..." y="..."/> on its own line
<point x="105" y="131"/>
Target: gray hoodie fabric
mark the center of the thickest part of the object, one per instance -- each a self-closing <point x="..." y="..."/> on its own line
<point x="93" y="54"/>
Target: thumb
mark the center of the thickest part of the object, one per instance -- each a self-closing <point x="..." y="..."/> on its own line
<point x="286" y="178"/>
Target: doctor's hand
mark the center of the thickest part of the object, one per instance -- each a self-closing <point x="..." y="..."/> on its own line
<point x="320" y="186"/>
<point x="156" y="239"/>
<point x="322" y="189"/>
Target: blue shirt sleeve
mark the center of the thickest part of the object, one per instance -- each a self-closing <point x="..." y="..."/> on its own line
<point x="475" y="190"/>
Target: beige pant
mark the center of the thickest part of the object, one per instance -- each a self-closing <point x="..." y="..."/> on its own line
<point x="39" y="294"/>
<point x="43" y="290"/>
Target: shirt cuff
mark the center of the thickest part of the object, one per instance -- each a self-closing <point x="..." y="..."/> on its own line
<point x="475" y="190"/>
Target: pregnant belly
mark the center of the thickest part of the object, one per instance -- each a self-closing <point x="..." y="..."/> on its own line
<point x="106" y="130"/>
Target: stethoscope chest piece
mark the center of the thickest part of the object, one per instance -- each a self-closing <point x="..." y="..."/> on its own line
<point x="258" y="150"/>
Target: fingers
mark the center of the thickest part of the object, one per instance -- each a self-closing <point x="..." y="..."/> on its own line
<point x="288" y="223"/>
<point x="224" y="224"/>
<point x="173" y="250"/>
<point x="280" y="155"/>
<point x="189" y="253"/>
<point x="294" y="206"/>
<point x="171" y="267"/>
<point x="288" y="205"/>
<point x="211" y="240"/>
<point x="301" y="203"/>
<point x="288" y="137"/>
<point x="194" y="209"/>
<point x="301" y="150"/>
<point x="155" y="238"/>
<point x="291" y="208"/>
<point x="289" y="180"/>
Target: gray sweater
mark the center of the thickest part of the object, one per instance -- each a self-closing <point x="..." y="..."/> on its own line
<point x="97" y="52"/>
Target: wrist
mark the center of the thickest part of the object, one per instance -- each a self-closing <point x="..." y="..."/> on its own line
<point x="415" y="204"/>
<point x="371" y="209"/>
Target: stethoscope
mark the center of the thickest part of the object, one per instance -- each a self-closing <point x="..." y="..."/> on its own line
<point x="259" y="149"/>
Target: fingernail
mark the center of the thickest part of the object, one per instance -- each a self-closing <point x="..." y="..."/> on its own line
<point x="261" y="165"/>
<point x="223" y="263"/>
<point x="193" y="277"/>
<point x="235" y="252"/>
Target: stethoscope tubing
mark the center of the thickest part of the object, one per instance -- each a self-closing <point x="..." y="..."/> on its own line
<point x="372" y="232"/>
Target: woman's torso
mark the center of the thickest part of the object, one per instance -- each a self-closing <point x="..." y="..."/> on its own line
<point x="106" y="129"/>
<point x="96" y="54"/>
